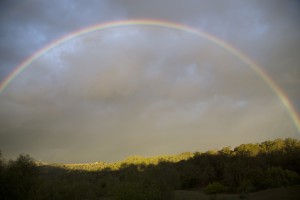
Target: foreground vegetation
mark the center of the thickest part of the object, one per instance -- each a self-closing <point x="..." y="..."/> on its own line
<point x="233" y="173"/>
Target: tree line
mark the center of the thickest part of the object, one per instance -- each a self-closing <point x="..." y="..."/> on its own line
<point x="245" y="168"/>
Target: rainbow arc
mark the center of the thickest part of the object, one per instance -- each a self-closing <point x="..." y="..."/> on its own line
<point x="171" y="25"/>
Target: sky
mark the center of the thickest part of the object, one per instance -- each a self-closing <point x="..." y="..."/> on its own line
<point x="145" y="90"/>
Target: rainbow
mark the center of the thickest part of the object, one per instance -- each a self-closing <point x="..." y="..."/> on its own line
<point x="165" y="24"/>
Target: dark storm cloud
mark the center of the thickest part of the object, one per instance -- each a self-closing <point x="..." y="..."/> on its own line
<point x="114" y="93"/>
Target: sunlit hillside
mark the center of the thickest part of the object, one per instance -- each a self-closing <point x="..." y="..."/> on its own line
<point x="234" y="173"/>
<point x="132" y="160"/>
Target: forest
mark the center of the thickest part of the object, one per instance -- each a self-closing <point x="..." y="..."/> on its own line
<point x="241" y="170"/>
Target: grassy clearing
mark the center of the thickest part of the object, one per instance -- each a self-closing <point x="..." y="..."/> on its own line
<point x="284" y="193"/>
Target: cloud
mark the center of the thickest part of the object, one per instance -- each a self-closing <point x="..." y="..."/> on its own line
<point x="118" y="92"/>
<point x="28" y="26"/>
<point x="144" y="90"/>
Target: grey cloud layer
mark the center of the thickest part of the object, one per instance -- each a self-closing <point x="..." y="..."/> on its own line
<point x="117" y="92"/>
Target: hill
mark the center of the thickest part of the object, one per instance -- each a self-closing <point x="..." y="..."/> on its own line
<point x="246" y="169"/>
<point x="132" y="160"/>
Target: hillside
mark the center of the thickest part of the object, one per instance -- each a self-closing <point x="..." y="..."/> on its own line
<point x="132" y="160"/>
<point x="229" y="172"/>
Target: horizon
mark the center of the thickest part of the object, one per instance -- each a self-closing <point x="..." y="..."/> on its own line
<point x="139" y="156"/>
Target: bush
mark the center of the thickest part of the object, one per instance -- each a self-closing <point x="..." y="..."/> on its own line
<point x="276" y="177"/>
<point x="215" y="188"/>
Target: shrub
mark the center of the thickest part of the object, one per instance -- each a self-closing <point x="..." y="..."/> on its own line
<point x="215" y="188"/>
<point x="276" y="177"/>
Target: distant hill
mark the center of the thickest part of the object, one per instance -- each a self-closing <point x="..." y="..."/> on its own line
<point x="135" y="160"/>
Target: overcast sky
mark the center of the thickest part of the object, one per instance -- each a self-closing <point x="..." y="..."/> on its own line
<point x="139" y="90"/>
